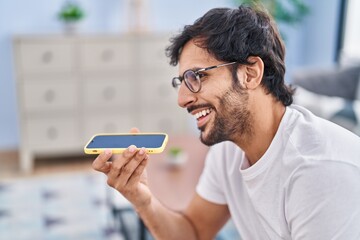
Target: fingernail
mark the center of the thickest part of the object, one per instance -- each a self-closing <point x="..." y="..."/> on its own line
<point x="107" y="151"/>
<point x="132" y="148"/>
<point x="142" y="151"/>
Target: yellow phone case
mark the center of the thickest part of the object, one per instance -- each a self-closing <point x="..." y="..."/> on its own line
<point x="120" y="150"/>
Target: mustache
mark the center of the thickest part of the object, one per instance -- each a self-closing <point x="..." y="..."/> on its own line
<point x="192" y="108"/>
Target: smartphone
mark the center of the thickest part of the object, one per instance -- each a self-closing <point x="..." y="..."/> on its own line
<point x="118" y="142"/>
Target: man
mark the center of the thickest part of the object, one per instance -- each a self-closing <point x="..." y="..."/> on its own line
<point x="277" y="170"/>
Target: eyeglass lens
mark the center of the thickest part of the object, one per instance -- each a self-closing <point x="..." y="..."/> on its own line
<point x="192" y="80"/>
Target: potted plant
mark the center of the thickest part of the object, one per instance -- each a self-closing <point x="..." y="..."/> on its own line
<point x="71" y="14"/>
<point x="283" y="11"/>
<point x="176" y="156"/>
<point x="288" y="12"/>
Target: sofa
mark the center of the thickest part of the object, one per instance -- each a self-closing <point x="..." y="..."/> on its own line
<point x="331" y="93"/>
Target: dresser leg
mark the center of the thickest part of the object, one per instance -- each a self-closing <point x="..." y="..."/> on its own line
<point x="26" y="162"/>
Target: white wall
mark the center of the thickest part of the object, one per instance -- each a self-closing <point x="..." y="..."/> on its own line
<point x="311" y="43"/>
<point x="108" y="16"/>
<point x="351" y="48"/>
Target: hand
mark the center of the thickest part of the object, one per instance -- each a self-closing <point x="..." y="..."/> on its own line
<point x="126" y="173"/>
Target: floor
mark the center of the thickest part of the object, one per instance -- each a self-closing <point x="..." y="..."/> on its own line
<point x="62" y="199"/>
<point x="10" y="165"/>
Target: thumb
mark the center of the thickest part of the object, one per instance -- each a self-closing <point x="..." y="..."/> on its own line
<point x="134" y="130"/>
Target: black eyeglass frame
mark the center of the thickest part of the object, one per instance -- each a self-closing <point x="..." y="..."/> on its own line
<point x="176" y="81"/>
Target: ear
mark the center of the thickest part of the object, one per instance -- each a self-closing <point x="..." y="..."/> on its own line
<point x="254" y="72"/>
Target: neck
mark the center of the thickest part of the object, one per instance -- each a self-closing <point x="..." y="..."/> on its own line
<point x="266" y="120"/>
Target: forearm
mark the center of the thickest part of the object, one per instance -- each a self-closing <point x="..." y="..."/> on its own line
<point x="164" y="223"/>
<point x="126" y="173"/>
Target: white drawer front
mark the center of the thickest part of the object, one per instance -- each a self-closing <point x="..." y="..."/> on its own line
<point x="164" y="121"/>
<point x="107" y="55"/>
<point x="38" y="96"/>
<point x="107" y="93"/>
<point x="109" y="123"/>
<point x="155" y="93"/>
<point x="52" y="134"/>
<point x="152" y="53"/>
<point x="43" y="57"/>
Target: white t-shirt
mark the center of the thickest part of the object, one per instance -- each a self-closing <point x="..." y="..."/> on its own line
<point x="305" y="186"/>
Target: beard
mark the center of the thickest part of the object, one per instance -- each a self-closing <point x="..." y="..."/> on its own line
<point x="231" y="122"/>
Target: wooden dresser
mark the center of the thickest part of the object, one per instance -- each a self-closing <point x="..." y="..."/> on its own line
<point x="71" y="87"/>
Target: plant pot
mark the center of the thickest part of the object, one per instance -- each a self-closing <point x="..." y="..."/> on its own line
<point x="177" y="160"/>
<point x="71" y="27"/>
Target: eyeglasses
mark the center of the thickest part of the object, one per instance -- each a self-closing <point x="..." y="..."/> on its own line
<point x="193" y="78"/>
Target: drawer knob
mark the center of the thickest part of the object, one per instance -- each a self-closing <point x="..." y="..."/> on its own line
<point x="49" y="96"/>
<point x="47" y="57"/>
<point x="52" y="133"/>
<point x="107" y="55"/>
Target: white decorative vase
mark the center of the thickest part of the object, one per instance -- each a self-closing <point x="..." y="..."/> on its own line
<point x="71" y="27"/>
<point x="177" y="160"/>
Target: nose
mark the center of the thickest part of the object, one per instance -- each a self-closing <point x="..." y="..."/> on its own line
<point x="185" y="96"/>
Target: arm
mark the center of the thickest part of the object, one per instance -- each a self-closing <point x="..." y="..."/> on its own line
<point x="201" y="220"/>
<point x="127" y="174"/>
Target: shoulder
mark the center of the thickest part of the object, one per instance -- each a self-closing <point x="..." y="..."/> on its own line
<point x="316" y="138"/>
<point x="307" y="122"/>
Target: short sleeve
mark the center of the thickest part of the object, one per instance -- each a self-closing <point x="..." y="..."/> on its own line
<point x="322" y="201"/>
<point x="210" y="183"/>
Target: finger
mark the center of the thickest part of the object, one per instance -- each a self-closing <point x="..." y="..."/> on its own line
<point x="139" y="171"/>
<point x="134" y="130"/>
<point x="128" y="170"/>
<point x="120" y="160"/>
<point x="101" y="163"/>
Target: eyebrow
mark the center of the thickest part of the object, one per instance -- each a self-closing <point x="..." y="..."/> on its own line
<point x="197" y="68"/>
<point x="193" y="69"/>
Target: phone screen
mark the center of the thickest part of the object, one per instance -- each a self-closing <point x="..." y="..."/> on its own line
<point x="124" y="141"/>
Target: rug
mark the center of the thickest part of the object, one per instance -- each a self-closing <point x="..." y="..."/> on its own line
<point x="67" y="206"/>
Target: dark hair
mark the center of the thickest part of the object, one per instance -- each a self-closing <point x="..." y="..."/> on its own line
<point x="234" y="35"/>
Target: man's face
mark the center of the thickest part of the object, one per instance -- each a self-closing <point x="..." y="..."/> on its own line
<point x="221" y="106"/>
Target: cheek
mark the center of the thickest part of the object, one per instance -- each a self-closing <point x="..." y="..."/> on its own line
<point x="234" y="99"/>
<point x="218" y="86"/>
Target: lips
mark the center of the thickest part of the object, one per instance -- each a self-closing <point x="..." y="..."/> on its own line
<point x="202" y="113"/>
<point x="201" y="116"/>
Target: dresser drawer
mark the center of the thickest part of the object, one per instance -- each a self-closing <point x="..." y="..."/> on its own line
<point x="164" y="121"/>
<point x="152" y="52"/>
<point x="107" y="123"/>
<point x="52" y="96"/>
<point x="44" y="57"/>
<point x="157" y="91"/>
<point x="52" y="133"/>
<point x="107" y="93"/>
<point x="106" y="55"/>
